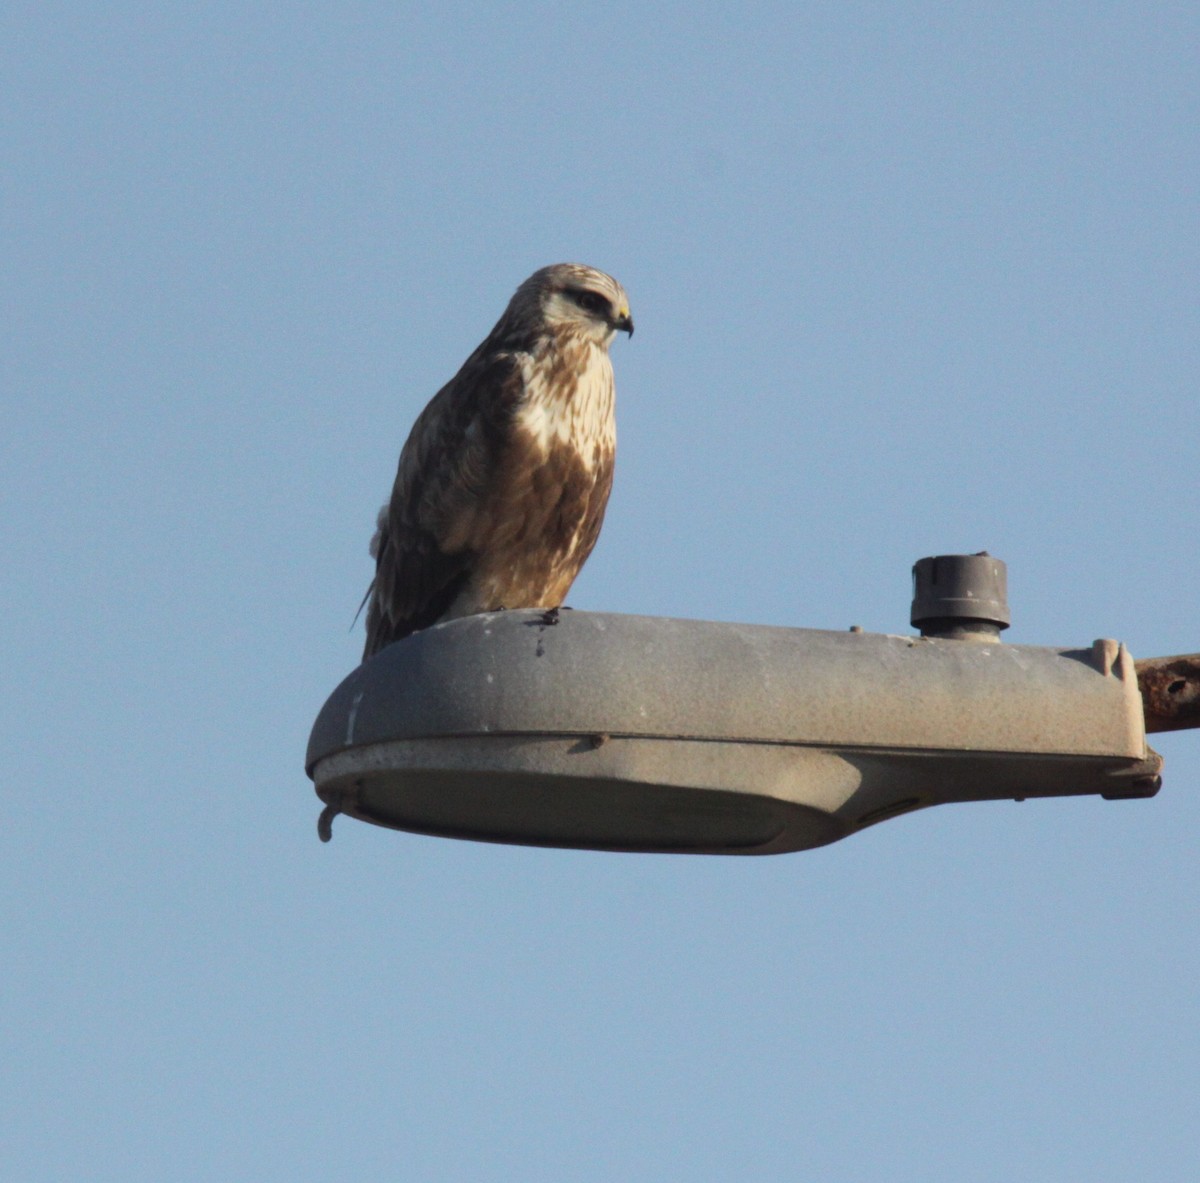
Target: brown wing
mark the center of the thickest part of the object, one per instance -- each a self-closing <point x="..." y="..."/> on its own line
<point x="446" y="469"/>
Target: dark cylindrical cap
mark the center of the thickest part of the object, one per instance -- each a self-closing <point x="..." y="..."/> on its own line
<point x="960" y="594"/>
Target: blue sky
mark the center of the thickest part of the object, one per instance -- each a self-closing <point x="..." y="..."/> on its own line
<point x="908" y="278"/>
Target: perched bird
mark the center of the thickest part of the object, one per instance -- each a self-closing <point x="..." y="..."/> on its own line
<point x="503" y="481"/>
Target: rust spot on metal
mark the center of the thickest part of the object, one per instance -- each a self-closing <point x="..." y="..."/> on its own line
<point x="1170" y="689"/>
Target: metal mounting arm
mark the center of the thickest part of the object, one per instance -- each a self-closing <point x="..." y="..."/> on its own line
<point x="1170" y="689"/>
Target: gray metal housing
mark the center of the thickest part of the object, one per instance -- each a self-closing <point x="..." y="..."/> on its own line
<point x="643" y="733"/>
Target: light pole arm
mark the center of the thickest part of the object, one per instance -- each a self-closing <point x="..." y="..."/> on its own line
<point x="1170" y="689"/>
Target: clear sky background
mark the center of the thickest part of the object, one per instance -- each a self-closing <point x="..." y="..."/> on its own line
<point x="908" y="279"/>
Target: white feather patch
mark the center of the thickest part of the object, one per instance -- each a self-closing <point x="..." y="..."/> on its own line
<point x="582" y="418"/>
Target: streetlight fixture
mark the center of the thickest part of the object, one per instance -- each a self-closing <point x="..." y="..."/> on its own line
<point x="613" y="732"/>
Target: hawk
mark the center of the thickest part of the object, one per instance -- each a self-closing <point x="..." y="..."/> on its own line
<point x="503" y="481"/>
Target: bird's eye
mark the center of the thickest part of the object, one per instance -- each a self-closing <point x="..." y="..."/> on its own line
<point x="591" y="302"/>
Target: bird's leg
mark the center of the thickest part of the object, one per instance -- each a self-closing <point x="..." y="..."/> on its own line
<point x="550" y="616"/>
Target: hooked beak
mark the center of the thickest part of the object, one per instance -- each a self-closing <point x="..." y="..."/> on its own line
<point x="624" y="323"/>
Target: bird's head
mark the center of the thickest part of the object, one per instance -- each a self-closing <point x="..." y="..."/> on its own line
<point x="579" y="299"/>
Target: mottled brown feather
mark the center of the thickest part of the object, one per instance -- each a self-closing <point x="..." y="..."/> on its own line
<point x="422" y="552"/>
<point x="486" y="513"/>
